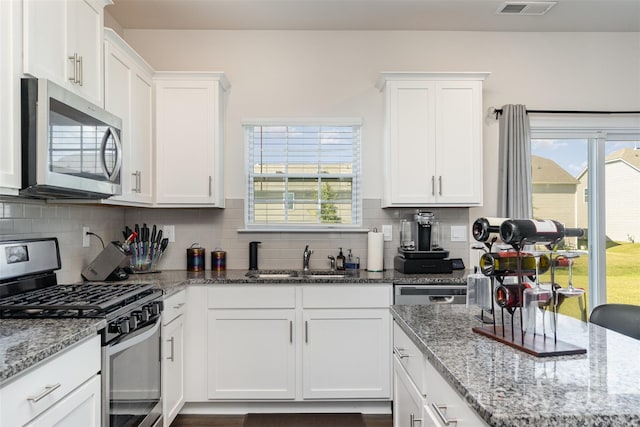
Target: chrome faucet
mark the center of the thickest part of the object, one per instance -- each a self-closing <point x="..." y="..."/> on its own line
<point x="305" y="258"/>
<point x="332" y="260"/>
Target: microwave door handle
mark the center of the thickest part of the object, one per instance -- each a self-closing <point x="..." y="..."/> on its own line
<point x="111" y="176"/>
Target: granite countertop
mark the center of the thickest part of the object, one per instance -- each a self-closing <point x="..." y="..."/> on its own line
<point x="507" y="387"/>
<point x="172" y="280"/>
<point x="26" y="342"/>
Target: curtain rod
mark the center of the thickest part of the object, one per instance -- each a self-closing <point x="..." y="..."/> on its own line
<point x="498" y="111"/>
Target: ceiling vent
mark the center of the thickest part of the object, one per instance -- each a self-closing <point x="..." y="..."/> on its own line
<point x="525" y="7"/>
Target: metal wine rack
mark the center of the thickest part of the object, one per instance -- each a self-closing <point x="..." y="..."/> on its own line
<point x="540" y="345"/>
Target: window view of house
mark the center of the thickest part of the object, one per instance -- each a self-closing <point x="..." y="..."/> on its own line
<point x="560" y="191"/>
<point x="303" y="175"/>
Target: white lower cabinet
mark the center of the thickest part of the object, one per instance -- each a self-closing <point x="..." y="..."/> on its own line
<point x="279" y="342"/>
<point x="173" y="356"/>
<point x="422" y="397"/>
<point x="62" y="391"/>
<point x="251" y="354"/>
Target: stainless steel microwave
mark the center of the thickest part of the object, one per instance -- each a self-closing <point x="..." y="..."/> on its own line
<point x="70" y="147"/>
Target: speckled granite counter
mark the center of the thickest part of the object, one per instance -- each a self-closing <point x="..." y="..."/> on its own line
<point x="173" y="280"/>
<point x="25" y="342"/>
<point x="507" y="387"/>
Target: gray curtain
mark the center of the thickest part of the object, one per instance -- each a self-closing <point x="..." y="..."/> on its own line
<point x="514" y="170"/>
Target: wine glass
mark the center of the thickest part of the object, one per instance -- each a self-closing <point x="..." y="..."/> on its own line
<point x="536" y="298"/>
<point x="570" y="291"/>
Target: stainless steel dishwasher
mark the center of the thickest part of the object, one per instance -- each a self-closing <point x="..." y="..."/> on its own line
<point x="412" y="294"/>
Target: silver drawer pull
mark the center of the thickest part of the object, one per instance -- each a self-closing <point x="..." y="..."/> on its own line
<point x="178" y="306"/>
<point x="400" y="352"/>
<point x="439" y="408"/>
<point x="413" y="420"/>
<point x="47" y="391"/>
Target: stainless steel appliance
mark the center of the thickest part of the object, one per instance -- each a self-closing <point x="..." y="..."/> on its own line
<point x="70" y="147"/>
<point x="412" y="294"/>
<point x="131" y="373"/>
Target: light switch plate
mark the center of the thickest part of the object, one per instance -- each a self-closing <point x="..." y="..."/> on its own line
<point x="458" y="233"/>
<point x="387" y="232"/>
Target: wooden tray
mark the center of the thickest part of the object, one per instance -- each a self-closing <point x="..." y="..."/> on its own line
<point x="536" y="345"/>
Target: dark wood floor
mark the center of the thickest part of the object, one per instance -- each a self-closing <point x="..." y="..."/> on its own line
<point x="238" y="421"/>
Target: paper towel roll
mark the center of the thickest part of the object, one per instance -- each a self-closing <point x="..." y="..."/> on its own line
<point x="375" y="251"/>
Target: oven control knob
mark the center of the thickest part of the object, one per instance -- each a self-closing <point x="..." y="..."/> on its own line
<point x="123" y="326"/>
<point x="155" y="308"/>
<point x="142" y="315"/>
<point x="133" y="322"/>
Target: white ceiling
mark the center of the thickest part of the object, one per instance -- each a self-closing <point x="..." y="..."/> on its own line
<point x="455" y="15"/>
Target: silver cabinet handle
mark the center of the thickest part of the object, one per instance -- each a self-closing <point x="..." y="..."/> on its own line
<point x="413" y="420"/>
<point x="400" y="352"/>
<point x="306" y="331"/>
<point x="74" y="61"/>
<point x="178" y="306"/>
<point x="138" y="182"/>
<point x="440" y="185"/>
<point x="291" y="331"/>
<point x="48" y="389"/>
<point x="80" y="71"/>
<point x="439" y="408"/>
<point x="433" y="185"/>
<point x="171" y="340"/>
<point x="210" y="185"/>
<point x="134" y="187"/>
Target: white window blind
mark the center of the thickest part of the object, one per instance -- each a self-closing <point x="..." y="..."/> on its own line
<point x="302" y="175"/>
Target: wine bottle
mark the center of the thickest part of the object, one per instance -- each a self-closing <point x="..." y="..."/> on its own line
<point x="516" y="231"/>
<point x="506" y="264"/>
<point x="487" y="229"/>
<point x="509" y="295"/>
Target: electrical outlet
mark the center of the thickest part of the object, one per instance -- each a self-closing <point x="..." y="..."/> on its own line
<point x="169" y="231"/>
<point x="458" y="233"/>
<point x="387" y="233"/>
<point x="86" y="242"/>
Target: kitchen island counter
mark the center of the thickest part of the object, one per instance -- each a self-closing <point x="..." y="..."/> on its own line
<point x="507" y="387"/>
<point x="26" y="342"/>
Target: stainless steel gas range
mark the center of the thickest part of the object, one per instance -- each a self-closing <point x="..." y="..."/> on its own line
<point x="131" y="371"/>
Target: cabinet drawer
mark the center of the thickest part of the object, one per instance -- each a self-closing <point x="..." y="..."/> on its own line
<point x="252" y="297"/>
<point x="64" y="373"/>
<point x="442" y="397"/>
<point x="345" y="296"/>
<point x="174" y="306"/>
<point x="410" y="357"/>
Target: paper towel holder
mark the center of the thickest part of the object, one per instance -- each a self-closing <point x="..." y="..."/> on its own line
<point x="377" y="255"/>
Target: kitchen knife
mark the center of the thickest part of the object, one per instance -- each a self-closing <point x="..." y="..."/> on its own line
<point x="153" y="234"/>
<point x="137" y="230"/>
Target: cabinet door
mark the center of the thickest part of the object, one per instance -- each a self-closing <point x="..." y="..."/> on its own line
<point x="251" y="354"/>
<point x="186" y="142"/>
<point x="84" y="39"/>
<point x="44" y="39"/>
<point x="10" y="71"/>
<point x="128" y="94"/>
<point x="172" y="369"/>
<point x="81" y="407"/>
<point x="458" y="152"/>
<point x="407" y="402"/>
<point x="346" y="354"/>
<point x="410" y="142"/>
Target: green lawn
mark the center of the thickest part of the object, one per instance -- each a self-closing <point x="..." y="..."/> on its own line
<point x="623" y="277"/>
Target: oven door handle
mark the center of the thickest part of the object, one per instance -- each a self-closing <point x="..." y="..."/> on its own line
<point x="145" y="333"/>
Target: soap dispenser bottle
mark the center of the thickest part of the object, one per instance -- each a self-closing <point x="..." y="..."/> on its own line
<point x="340" y="261"/>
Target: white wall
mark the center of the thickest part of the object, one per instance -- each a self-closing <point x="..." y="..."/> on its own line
<point x="327" y="73"/>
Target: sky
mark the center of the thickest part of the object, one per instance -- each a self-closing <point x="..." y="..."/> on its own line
<point x="571" y="154"/>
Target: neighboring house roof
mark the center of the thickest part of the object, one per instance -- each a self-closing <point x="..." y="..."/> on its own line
<point x="628" y="155"/>
<point x="546" y="171"/>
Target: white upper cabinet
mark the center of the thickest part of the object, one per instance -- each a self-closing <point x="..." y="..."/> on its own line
<point x="432" y="139"/>
<point x="62" y="42"/>
<point x="10" y="71"/>
<point x="189" y="137"/>
<point x="128" y="83"/>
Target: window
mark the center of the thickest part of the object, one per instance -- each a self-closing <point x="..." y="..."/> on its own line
<point x="586" y="173"/>
<point x="303" y="175"/>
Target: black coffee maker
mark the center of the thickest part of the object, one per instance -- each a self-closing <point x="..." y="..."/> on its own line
<point x="424" y="227"/>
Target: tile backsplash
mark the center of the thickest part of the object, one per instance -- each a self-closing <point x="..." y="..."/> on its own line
<point x="211" y="229"/>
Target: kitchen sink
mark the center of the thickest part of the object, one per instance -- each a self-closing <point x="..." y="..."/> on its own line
<point x="295" y="274"/>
